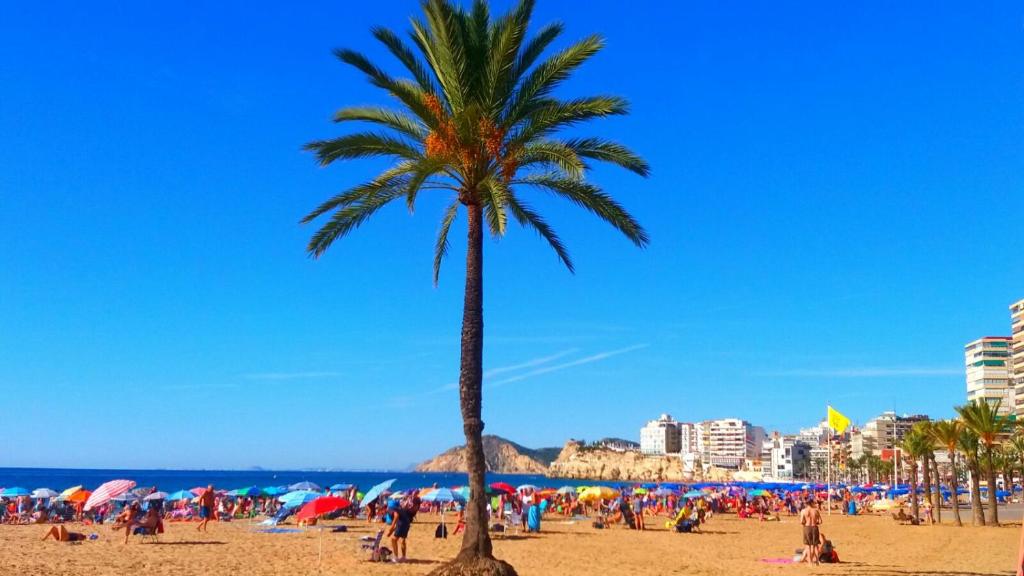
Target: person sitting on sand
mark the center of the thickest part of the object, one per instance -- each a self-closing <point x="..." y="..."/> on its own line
<point x="61" y="534"/>
<point x="826" y="551"/>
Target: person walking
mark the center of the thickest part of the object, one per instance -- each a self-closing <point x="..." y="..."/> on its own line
<point x="206" y="502"/>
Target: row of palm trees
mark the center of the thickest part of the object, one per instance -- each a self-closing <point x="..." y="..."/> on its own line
<point x="988" y="444"/>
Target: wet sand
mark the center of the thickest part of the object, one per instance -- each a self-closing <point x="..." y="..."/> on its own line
<point x="871" y="546"/>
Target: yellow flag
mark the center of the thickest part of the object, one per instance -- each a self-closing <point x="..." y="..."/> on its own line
<point x="837" y="421"/>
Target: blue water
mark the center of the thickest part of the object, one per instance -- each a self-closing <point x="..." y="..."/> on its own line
<point x="173" y="480"/>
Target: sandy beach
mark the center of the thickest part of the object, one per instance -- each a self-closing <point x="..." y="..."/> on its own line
<point x="873" y="546"/>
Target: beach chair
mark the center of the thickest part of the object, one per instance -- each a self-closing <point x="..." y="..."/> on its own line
<point x="276" y="519"/>
<point x="373" y="547"/>
<point x="513" y="522"/>
<point x="152" y="534"/>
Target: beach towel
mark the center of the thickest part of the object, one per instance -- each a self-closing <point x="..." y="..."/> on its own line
<point x="777" y="560"/>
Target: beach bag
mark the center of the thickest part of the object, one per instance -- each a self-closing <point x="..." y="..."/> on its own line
<point x="684" y="527"/>
<point x="598" y="525"/>
<point x="441" y="531"/>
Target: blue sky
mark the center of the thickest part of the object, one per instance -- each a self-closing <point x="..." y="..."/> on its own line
<point x="833" y="208"/>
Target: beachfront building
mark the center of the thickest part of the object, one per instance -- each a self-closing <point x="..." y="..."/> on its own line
<point x="857" y="450"/>
<point x="785" y="458"/>
<point x="1017" y="355"/>
<point x="660" y="437"/>
<point x="989" y="372"/>
<point x="815" y="435"/>
<point x="690" y="438"/>
<point x="729" y="442"/>
<point x="886" y="431"/>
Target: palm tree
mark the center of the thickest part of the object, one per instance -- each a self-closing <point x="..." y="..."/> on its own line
<point x="984" y="419"/>
<point x="914" y="447"/>
<point x="946" y="434"/>
<point x="479" y="123"/>
<point x="924" y="430"/>
<point x="1016" y="445"/>
<point x="969" y="446"/>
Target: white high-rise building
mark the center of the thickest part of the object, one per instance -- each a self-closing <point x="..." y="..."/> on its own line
<point x="1017" y="355"/>
<point x="990" y="372"/>
<point x="785" y="458"/>
<point x="660" y="437"/>
<point x="730" y="441"/>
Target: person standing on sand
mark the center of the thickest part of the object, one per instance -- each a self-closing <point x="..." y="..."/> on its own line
<point x="810" y="520"/>
<point x="205" y="508"/>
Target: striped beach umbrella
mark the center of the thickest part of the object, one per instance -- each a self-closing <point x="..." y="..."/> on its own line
<point x="67" y="493"/>
<point x="108" y="491"/>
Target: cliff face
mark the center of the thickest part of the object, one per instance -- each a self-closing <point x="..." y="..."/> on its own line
<point x="501" y="456"/>
<point x="575" y="461"/>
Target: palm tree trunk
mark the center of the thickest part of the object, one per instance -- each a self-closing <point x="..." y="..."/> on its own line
<point x="927" y="482"/>
<point x="993" y="502"/>
<point x="954" y="497"/>
<point x="914" y="507"/>
<point x="979" y="512"/>
<point x="937" y="500"/>
<point x="475" y="557"/>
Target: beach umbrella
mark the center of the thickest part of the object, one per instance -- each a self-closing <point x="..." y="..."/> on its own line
<point x="180" y="495"/>
<point x="305" y="486"/>
<point x="462" y="491"/>
<point x="322" y="505"/>
<point x="598" y="493"/>
<point x="649" y="485"/>
<point x="275" y="490"/>
<point x="661" y="492"/>
<point x="641" y="491"/>
<point x="198" y="490"/>
<point x="298" y="498"/>
<point x="143" y="492"/>
<point x="759" y="492"/>
<point x="107" y="491"/>
<point x="249" y="491"/>
<point x="44" y="493"/>
<point x="67" y="493"/>
<point x="694" y="494"/>
<point x="155" y="496"/>
<point x="126" y="497"/>
<point x="443" y="495"/>
<point x="377" y="490"/>
<point x="79" y="497"/>
<point x="14" y="491"/>
<point x="566" y="490"/>
<point x="545" y="492"/>
<point x="341" y="487"/>
<point x="526" y="488"/>
<point x="503" y="487"/>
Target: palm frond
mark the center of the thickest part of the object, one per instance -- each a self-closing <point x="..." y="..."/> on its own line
<point x="593" y="199"/>
<point x="445" y="40"/>
<point x="539" y="82"/>
<point x="378" y="115"/>
<point x="534" y="48"/>
<point x="362" y="145"/>
<point x="494" y="195"/>
<point x="556" y="115"/>
<point x="406" y="56"/>
<point x="393" y="178"/>
<point x="408" y="93"/>
<point x="613" y="152"/>
<point x="553" y="154"/>
<point x="507" y="38"/>
<point x="527" y="217"/>
<point x="349" y="218"/>
<point x="441" y="244"/>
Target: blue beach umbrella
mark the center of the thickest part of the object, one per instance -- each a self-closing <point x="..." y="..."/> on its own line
<point x="305" y="486"/>
<point x="693" y="494"/>
<point x="341" y="487"/>
<point x="376" y="491"/>
<point x="249" y="491"/>
<point x="275" y="490"/>
<point x="180" y="495"/>
<point x="298" y="498"/>
<point x="14" y="491"/>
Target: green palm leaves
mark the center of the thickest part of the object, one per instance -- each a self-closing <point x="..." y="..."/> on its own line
<point x="476" y="119"/>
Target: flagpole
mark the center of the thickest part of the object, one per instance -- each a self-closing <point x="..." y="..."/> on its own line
<point x="828" y="496"/>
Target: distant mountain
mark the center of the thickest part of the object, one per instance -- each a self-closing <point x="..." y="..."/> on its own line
<point x="501" y="455"/>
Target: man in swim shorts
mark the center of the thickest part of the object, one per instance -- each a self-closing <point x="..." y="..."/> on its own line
<point x="810" y="520"/>
<point x="205" y="508"/>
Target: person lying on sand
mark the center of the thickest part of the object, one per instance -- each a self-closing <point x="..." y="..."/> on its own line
<point x="61" y="534"/>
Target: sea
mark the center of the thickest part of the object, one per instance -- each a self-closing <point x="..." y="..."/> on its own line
<point x="173" y="480"/>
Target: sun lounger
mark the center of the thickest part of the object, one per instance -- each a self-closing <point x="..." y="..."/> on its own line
<point x="373" y="547"/>
<point x="276" y="519"/>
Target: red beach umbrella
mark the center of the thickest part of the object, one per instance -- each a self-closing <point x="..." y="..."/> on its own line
<point x="503" y="487"/>
<point x="322" y="505"/>
<point x="108" y="491"/>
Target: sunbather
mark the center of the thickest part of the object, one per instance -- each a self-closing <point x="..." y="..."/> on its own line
<point x="61" y="534"/>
